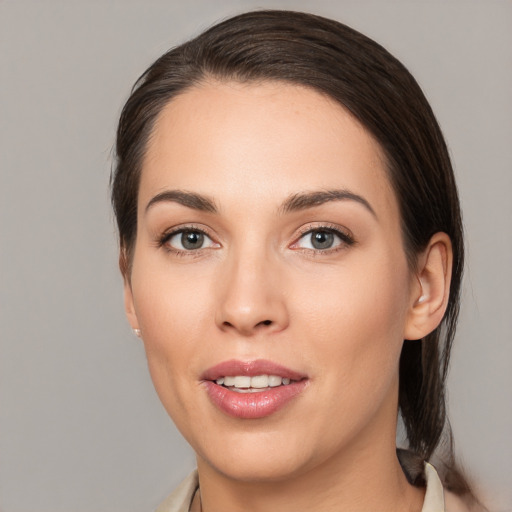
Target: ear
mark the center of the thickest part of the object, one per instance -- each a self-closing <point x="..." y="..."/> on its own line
<point x="430" y="289"/>
<point x="129" y="306"/>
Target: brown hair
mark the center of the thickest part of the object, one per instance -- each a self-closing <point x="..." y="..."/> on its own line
<point x="379" y="91"/>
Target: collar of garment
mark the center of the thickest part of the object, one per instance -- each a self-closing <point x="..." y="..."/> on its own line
<point x="181" y="498"/>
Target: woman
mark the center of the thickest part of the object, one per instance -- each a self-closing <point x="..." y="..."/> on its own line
<point x="291" y="246"/>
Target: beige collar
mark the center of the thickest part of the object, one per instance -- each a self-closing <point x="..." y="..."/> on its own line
<point x="434" y="495"/>
<point x="181" y="498"/>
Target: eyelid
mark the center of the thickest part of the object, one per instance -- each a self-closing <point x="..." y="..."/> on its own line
<point x="169" y="233"/>
<point x="345" y="235"/>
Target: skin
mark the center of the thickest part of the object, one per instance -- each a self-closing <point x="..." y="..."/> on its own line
<point x="257" y="289"/>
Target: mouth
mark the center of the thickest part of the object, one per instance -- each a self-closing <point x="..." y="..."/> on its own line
<point x="251" y="390"/>
<point x="256" y="384"/>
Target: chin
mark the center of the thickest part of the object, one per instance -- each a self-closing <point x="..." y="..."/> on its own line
<point x="257" y="457"/>
<point x="250" y="469"/>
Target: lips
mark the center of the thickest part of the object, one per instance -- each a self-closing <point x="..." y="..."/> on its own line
<point x="254" y="389"/>
<point x="251" y="369"/>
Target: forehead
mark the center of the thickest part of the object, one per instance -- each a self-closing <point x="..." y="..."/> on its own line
<point x="249" y="139"/>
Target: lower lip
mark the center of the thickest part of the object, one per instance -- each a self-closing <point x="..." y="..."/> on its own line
<point x="253" y="405"/>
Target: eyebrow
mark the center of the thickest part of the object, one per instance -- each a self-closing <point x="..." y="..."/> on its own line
<point x="296" y="202"/>
<point x="303" y="201"/>
<point x="188" y="199"/>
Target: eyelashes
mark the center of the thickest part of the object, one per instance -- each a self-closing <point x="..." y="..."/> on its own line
<point x="314" y="239"/>
<point x="323" y="239"/>
<point x="187" y="240"/>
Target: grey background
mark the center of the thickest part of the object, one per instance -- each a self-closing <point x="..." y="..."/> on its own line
<point x="81" y="428"/>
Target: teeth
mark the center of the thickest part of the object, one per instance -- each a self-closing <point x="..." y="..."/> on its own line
<point x="257" y="382"/>
<point x="246" y="390"/>
<point x="260" y="381"/>
<point x="229" y="381"/>
<point x="242" y="382"/>
<point x="274" y="380"/>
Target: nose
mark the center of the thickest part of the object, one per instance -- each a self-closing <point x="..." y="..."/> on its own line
<point x="251" y="297"/>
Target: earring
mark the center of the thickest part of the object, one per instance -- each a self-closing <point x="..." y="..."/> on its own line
<point x="137" y="332"/>
<point x="423" y="297"/>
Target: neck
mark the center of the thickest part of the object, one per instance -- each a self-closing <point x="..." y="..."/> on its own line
<point x="363" y="480"/>
<point x="363" y="473"/>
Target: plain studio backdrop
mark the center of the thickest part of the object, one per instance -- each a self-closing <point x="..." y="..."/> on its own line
<point x="81" y="428"/>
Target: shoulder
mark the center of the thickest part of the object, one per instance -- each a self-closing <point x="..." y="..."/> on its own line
<point x="437" y="498"/>
<point x="455" y="503"/>
<point x="179" y="500"/>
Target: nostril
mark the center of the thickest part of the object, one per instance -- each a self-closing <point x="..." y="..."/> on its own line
<point x="240" y="326"/>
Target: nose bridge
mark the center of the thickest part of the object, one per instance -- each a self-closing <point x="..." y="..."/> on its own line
<point x="251" y="296"/>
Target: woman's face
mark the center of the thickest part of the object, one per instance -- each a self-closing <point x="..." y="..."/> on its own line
<point x="269" y="244"/>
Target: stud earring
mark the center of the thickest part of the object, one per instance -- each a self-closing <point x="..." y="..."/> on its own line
<point x="423" y="296"/>
<point x="137" y="332"/>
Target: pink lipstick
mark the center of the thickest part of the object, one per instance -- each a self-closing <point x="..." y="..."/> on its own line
<point x="254" y="389"/>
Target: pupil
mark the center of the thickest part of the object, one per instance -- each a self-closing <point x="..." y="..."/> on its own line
<point x="192" y="240"/>
<point x="322" y="239"/>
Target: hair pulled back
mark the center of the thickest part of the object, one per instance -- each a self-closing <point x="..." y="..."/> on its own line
<point x="378" y="91"/>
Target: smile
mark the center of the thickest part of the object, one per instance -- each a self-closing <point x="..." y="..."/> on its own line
<point x="256" y="384"/>
<point x="254" y="389"/>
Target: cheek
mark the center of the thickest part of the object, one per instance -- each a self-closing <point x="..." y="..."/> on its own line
<point x="169" y="300"/>
<point x="357" y="319"/>
<point x="172" y="309"/>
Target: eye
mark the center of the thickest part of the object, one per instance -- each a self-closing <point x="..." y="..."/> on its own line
<point x="188" y="240"/>
<point x="323" y="239"/>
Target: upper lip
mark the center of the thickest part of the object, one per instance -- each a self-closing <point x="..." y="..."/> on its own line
<point x="235" y="367"/>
